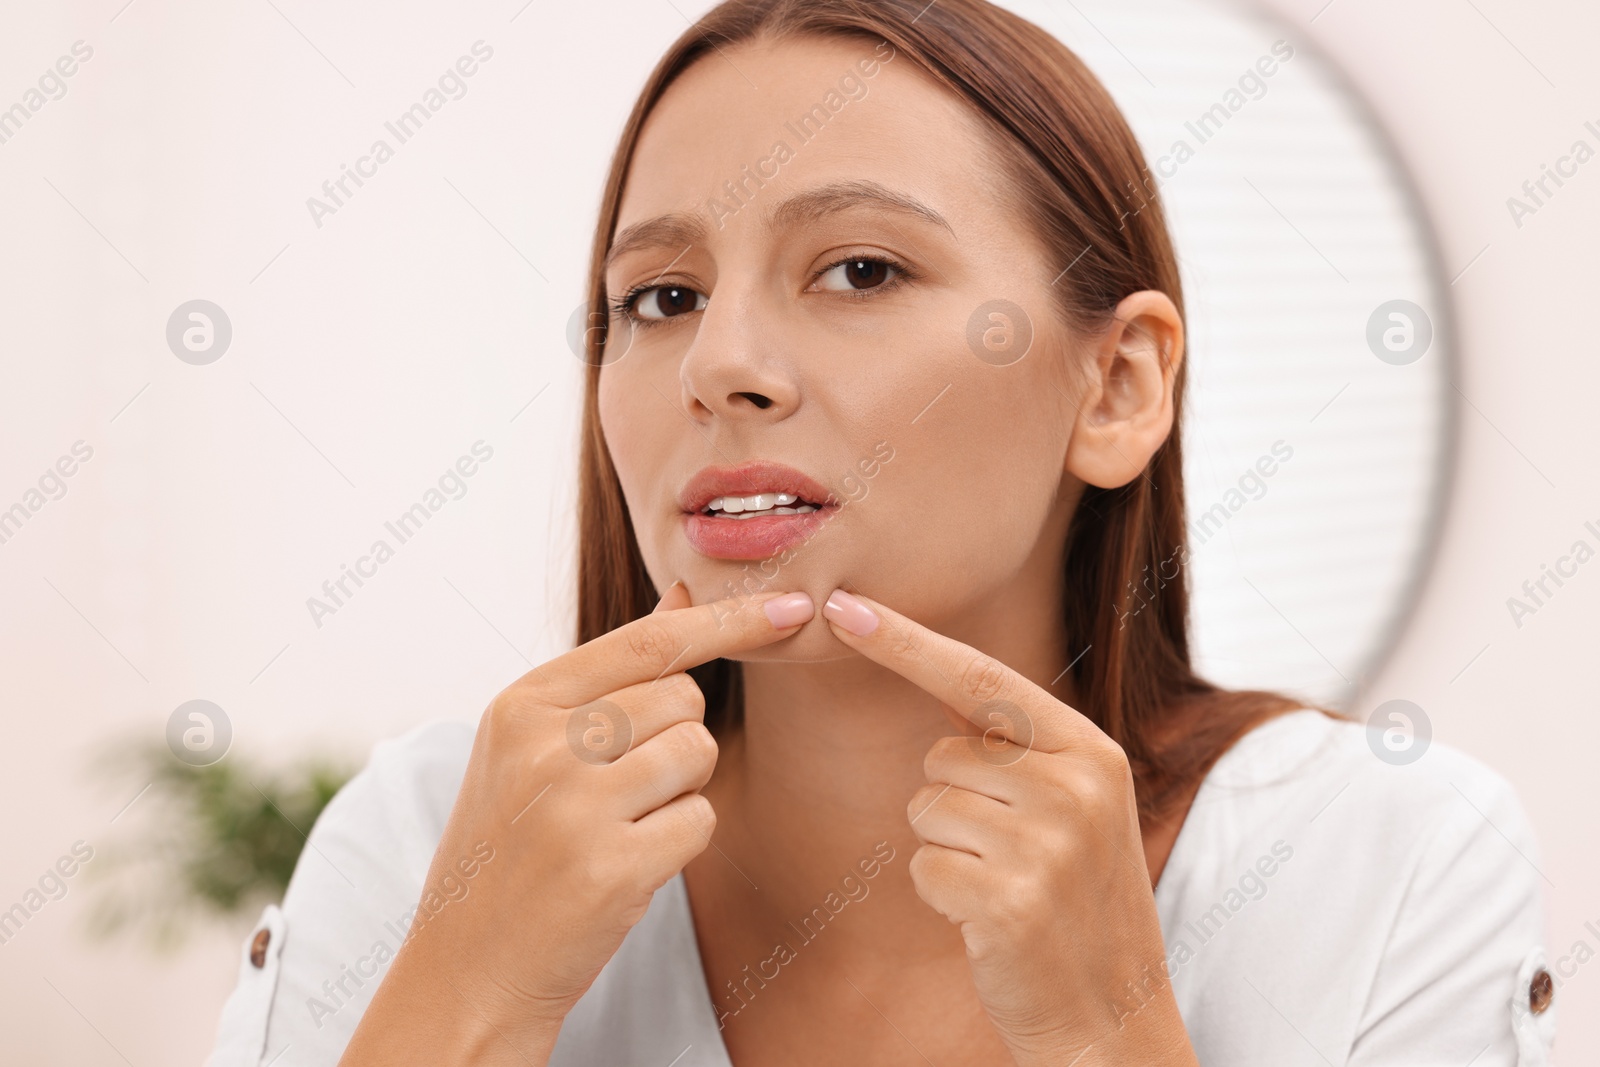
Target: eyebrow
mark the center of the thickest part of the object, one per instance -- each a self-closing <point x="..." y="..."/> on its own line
<point x="680" y="228"/>
<point x="663" y="231"/>
<point x="814" y="204"/>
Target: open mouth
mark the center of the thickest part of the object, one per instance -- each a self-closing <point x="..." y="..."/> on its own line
<point x="758" y="505"/>
<point x="787" y="505"/>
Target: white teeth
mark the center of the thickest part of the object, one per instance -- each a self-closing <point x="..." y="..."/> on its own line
<point x="766" y="503"/>
<point x="801" y="510"/>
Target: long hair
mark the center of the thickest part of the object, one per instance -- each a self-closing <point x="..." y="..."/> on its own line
<point x="1080" y="178"/>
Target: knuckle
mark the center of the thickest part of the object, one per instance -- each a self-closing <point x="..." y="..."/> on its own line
<point x="983" y="677"/>
<point x="1114" y="755"/>
<point x="917" y="806"/>
<point x="698" y="810"/>
<point x="1092" y="800"/>
<point x="902" y="643"/>
<point x="1017" y="901"/>
<point x="508" y="708"/>
<point x="651" y="643"/>
<point x="599" y="732"/>
<point x="692" y="742"/>
<point x="682" y="690"/>
<point x="944" y="756"/>
<point x="1110" y="761"/>
<point x="684" y="834"/>
<point x="601" y="873"/>
<point x="1055" y="842"/>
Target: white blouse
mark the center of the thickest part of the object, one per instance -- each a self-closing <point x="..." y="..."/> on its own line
<point x="1321" y="906"/>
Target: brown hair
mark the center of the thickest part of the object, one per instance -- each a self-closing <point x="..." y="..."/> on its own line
<point x="1080" y="180"/>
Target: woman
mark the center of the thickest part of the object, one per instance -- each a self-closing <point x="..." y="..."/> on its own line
<point x="907" y="763"/>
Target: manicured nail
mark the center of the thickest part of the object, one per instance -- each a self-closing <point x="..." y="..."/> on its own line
<point x="790" y="609"/>
<point x="850" y="613"/>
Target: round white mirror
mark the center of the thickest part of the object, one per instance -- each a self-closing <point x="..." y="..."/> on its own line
<point x="1320" y="406"/>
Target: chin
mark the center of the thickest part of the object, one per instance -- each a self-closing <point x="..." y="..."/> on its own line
<point x="710" y="580"/>
<point x="814" y="643"/>
<point x="818" y="576"/>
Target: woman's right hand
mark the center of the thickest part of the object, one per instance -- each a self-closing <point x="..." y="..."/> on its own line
<point x="583" y="792"/>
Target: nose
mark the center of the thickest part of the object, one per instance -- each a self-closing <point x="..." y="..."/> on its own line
<point x="737" y="367"/>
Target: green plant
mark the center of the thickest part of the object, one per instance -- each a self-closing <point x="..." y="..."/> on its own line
<point x="209" y="842"/>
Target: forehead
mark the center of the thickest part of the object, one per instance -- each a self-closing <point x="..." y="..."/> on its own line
<point x="803" y="112"/>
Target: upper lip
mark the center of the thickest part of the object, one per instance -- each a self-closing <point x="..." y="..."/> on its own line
<point x="748" y="479"/>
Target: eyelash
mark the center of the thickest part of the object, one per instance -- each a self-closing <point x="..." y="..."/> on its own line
<point x="623" y="305"/>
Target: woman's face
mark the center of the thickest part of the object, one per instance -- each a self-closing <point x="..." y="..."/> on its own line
<point x="832" y="285"/>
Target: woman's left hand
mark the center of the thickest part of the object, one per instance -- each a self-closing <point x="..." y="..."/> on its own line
<point x="1031" y="844"/>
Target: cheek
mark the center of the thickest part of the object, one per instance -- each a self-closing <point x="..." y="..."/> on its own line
<point x="642" y="432"/>
<point x="978" y="456"/>
<point x="607" y="401"/>
<point x="971" y="486"/>
<point x="625" y="424"/>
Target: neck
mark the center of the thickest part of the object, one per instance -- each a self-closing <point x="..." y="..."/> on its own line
<point x="827" y="761"/>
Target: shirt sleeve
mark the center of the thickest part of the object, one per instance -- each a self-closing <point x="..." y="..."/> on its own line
<point x="1462" y="978"/>
<point x="310" y="967"/>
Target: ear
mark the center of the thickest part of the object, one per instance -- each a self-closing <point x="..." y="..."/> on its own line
<point x="1126" y="409"/>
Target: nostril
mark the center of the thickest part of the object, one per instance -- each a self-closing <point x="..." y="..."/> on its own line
<point x="757" y="399"/>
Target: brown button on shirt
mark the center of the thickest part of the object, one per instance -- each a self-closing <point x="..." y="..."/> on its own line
<point x="1541" y="991"/>
<point x="258" y="948"/>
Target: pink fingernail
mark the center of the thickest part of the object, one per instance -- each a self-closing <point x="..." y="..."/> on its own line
<point x="850" y="613"/>
<point x="790" y="609"/>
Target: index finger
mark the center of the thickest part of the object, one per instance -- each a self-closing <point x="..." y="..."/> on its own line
<point x="973" y="683"/>
<point x="668" y="641"/>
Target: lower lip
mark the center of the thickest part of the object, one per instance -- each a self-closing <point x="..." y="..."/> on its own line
<point x="758" y="538"/>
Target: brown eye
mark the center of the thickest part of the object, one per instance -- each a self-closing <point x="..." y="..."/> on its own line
<point x="858" y="274"/>
<point x="666" y="301"/>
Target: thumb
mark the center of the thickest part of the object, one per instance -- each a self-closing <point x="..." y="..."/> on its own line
<point x="676" y="596"/>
